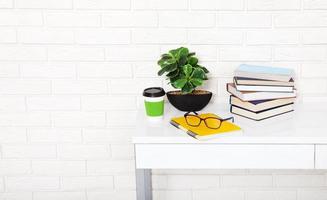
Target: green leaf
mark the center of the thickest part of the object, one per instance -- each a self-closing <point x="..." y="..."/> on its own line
<point x="203" y="68"/>
<point x="192" y="61"/>
<point x="173" y="79"/>
<point x="172" y="67"/>
<point x="183" y="52"/>
<point x="173" y="74"/>
<point x="179" y="76"/>
<point x="182" y="56"/>
<point x="188" y="88"/>
<point x="196" y="81"/>
<point x="167" y="68"/>
<point x="162" y="61"/>
<point x="187" y="69"/>
<point x="166" y="56"/>
<point x="174" y="52"/>
<point x="180" y="83"/>
<point x="182" y="61"/>
<point x="168" y="62"/>
<point x="161" y="71"/>
<point x="198" y="73"/>
<point x="191" y="54"/>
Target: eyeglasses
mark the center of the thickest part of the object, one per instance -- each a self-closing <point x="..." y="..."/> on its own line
<point x="210" y="122"/>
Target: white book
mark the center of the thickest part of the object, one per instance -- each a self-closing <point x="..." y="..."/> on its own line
<point x="253" y="81"/>
<point x="252" y="96"/>
<point x="264" y="88"/>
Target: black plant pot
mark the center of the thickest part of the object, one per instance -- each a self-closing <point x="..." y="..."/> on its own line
<point x="189" y="102"/>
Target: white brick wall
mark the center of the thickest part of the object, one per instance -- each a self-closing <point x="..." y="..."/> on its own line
<point x="47" y="4"/>
<point x="71" y="70"/>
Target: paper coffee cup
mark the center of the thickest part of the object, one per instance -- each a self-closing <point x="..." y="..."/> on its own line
<point x="154" y="102"/>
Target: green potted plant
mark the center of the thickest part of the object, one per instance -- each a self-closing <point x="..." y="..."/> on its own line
<point x="184" y="73"/>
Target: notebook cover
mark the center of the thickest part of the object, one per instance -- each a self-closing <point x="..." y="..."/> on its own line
<point x="203" y="130"/>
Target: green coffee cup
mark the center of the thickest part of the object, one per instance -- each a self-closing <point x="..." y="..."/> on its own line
<point x="154" y="102"/>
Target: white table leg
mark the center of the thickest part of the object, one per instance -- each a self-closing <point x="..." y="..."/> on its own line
<point x="143" y="184"/>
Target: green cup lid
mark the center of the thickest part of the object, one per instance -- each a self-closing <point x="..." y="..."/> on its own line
<point x="154" y="92"/>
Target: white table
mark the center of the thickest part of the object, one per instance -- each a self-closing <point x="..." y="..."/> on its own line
<point x="296" y="140"/>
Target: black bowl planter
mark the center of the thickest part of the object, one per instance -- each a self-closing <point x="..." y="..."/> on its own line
<point x="189" y="102"/>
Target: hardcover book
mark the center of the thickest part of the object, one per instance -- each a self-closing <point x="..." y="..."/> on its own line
<point x="251" y="96"/>
<point x="259" y="105"/>
<point x="264" y="114"/>
<point x="264" y="72"/>
<point x="254" y="81"/>
<point x="266" y="88"/>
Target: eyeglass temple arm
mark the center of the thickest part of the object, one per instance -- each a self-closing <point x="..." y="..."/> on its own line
<point x="229" y="118"/>
<point x="190" y="112"/>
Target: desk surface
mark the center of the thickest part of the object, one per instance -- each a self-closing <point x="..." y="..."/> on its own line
<point x="306" y="125"/>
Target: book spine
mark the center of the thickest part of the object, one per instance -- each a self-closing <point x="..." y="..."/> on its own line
<point x="190" y="133"/>
<point x="174" y="123"/>
<point x="235" y="80"/>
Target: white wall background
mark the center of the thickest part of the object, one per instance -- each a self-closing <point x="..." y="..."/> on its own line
<point x="71" y="74"/>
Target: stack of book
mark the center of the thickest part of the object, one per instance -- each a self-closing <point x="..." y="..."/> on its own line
<point x="260" y="92"/>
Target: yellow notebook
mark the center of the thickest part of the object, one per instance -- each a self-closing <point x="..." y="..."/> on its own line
<point x="202" y="132"/>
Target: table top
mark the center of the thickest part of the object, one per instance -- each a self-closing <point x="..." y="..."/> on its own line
<point x="306" y="125"/>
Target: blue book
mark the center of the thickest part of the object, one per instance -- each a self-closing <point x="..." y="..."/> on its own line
<point x="264" y="72"/>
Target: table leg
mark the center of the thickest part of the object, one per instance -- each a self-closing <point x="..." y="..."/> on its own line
<point x="143" y="184"/>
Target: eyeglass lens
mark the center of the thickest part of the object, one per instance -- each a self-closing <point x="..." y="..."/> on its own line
<point x="212" y="122"/>
<point x="193" y="120"/>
